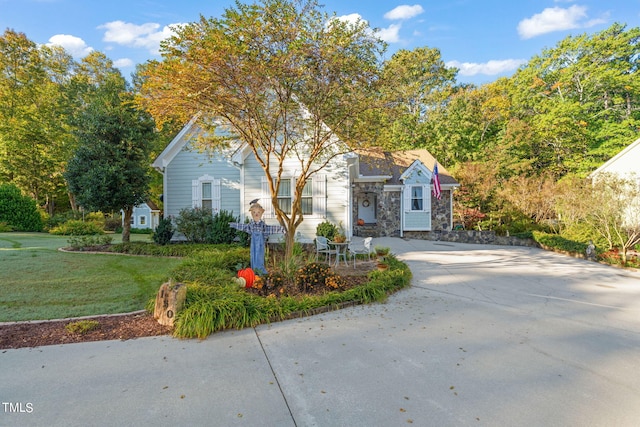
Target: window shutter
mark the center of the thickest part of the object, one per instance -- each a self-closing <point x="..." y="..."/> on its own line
<point x="426" y="195"/>
<point x="265" y="199"/>
<point x="215" y="202"/>
<point x="196" y="194"/>
<point x="320" y="195"/>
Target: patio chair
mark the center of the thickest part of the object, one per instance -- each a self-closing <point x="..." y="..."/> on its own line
<point x="322" y="247"/>
<point x="362" y="248"/>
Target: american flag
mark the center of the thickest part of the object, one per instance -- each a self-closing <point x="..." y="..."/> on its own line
<point x="437" y="190"/>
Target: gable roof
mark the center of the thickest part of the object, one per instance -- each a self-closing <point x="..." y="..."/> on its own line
<point x="619" y="159"/>
<point x="176" y="144"/>
<point x="152" y="205"/>
<point x="390" y="165"/>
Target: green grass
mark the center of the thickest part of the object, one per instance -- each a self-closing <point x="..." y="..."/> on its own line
<point x="39" y="282"/>
<point x="213" y="305"/>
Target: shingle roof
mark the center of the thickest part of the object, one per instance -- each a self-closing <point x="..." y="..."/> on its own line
<point x="393" y="163"/>
<point x="152" y="205"/>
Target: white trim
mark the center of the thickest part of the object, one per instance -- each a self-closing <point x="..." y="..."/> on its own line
<point x="418" y="166"/>
<point x="451" y="209"/>
<point x="196" y="192"/>
<point x="240" y="155"/>
<point x="176" y="144"/>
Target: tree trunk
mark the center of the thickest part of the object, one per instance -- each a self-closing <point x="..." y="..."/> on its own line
<point x="289" y="242"/>
<point x="72" y="202"/>
<point x="126" y="224"/>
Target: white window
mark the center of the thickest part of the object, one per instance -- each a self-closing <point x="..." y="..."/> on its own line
<point x="307" y="198"/>
<point x="313" y="197"/>
<point x="417" y="208"/>
<point x="143" y="220"/>
<point x="417" y="199"/>
<point x="205" y="193"/>
<point x="284" y="195"/>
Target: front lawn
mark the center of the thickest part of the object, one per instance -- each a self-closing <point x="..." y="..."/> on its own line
<point x="43" y="283"/>
<point x="39" y="282"/>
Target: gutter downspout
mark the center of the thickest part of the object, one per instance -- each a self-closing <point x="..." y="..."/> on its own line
<point x="451" y="209"/>
<point x="402" y="212"/>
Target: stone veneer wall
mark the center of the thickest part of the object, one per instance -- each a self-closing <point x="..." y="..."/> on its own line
<point x="440" y="212"/>
<point x="388" y="211"/>
<point x="470" y="236"/>
<point x="388" y="220"/>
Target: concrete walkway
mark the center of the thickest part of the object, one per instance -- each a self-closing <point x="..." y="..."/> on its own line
<point x="486" y="336"/>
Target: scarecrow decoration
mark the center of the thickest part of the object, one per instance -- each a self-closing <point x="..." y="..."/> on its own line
<point x="259" y="232"/>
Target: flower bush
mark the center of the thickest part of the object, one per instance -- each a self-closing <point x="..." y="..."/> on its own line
<point x="313" y="276"/>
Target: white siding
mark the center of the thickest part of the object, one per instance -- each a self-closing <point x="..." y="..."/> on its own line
<point x="417" y="220"/>
<point x="335" y="205"/>
<point x="625" y="163"/>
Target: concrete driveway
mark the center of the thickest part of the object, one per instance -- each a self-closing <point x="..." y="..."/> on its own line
<point x="486" y="336"/>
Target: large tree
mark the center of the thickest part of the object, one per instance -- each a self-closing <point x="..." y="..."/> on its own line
<point x="34" y="138"/>
<point x="109" y="170"/>
<point x="281" y="75"/>
<point x="414" y="84"/>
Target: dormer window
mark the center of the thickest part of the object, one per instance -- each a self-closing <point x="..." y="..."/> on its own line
<point x="417" y="198"/>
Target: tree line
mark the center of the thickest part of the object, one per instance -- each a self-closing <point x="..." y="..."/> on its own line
<point x="512" y="143"/>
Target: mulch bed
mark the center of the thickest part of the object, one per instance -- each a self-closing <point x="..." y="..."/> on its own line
<point x="118" y="327"/>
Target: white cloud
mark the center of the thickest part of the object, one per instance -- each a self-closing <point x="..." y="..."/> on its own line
<point x="146" y="36"/>
<point x="404" y="12"/>
<point x="352" y="18"/>
<point x="555" y="19"/>
<point x="123" y="63"/>
<point x="490" y="68"/>
<point x="390" y="34"/>
<point x="72" y="44"/>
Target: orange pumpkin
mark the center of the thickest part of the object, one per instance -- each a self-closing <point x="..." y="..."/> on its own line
<point x="248" y="275"/>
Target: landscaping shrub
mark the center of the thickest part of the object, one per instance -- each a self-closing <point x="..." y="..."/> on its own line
<point x="555" y="241"/>
<point x="199" y="225"/>
<point x="113" y="224"/>
<point x="17" y="211"/>
<point x="82" y="327"/>
<point x="582" y="232"/>
<point x="221" y="232"/>
<point x="164" y="232"/>
<point x="313" y="276"/>
<point x="60" y="218"/>
<point x="194" y="223"/>
<point x="212" y="266"/>
<point x="76" y="227"/>
<point x="326" y="229"/>
<point x="89" y="242"/>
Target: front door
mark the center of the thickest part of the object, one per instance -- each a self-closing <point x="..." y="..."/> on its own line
<point x="367" y="208"/>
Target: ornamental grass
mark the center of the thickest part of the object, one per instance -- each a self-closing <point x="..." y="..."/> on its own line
<point x="215" y="302"/>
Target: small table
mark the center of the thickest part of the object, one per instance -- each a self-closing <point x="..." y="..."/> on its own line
<point x="341" y="251"/>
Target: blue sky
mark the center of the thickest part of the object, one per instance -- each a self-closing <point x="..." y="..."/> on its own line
<point x="485" y="39"/>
